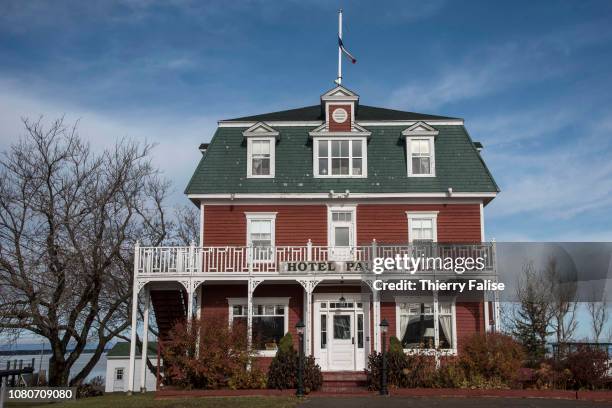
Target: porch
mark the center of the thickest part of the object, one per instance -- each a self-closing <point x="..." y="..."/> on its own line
<point x="339" y="305"/>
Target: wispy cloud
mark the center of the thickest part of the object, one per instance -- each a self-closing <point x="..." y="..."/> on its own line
<point x="496" y="67"/>
<point x="177" y="136"/>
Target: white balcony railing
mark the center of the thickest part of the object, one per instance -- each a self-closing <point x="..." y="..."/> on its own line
<point x="243" y="259"/>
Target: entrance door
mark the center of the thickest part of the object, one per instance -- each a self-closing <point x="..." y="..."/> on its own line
<point x="341" y="236"/>
<point x="342" y="341"/>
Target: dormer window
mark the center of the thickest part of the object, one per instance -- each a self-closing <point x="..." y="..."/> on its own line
<point x="261" y="146"/>
<point x="421" y="159"/>
<point x="260" y="157"/>
<point x="340" y="157"/>
<point x="420" y="150"/>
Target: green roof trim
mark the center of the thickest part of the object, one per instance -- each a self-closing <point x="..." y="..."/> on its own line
<point x="458" y="165"/>
<point x="122" y="349"/>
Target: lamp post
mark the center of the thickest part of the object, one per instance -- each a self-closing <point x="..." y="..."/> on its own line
<point x="299" y="327"/>
<point x="384" y="326"/>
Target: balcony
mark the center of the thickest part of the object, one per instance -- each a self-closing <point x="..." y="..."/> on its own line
<point x="300" y="260"/>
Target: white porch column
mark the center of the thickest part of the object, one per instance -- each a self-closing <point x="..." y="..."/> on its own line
<point x="190" y="302"/>
<point x="145" y="341"/>
<point x="436" y="328"/>
<point x="250" y="312"/>
<point x="376" y="319"/>
<point x="496" y="323"/>
<point x="308" y="322"/>
<point x="485" y="305"/>
<point x="135" y="290"/>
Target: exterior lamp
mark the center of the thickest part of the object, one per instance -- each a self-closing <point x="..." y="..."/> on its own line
<point x="299" y="328"/>
<point x="384" y="327"/>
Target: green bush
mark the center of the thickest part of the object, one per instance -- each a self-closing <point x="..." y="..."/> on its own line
<point x="283" y="370"/>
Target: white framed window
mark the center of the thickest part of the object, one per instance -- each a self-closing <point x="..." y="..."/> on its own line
<point x="119" y="373"/>
<point x="416" y="321"/>
<point x="261" y="236"/>
<point x="421" y="156"/>
<point x="261" y="157"/>
<point x="422" y="226"/>
<point x="340" y="157"/>
<point x="270" y="321"/>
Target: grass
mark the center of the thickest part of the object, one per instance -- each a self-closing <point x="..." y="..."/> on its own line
<point x="148" y="401"/>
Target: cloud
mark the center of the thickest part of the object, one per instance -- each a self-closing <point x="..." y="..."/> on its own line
<point x="177" y="135"/>
<point x="496" y="67"/>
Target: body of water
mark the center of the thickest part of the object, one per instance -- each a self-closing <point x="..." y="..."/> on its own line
<point x="98" y="370"/>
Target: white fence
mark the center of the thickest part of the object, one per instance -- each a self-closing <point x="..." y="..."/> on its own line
<point x="195" y="260"/>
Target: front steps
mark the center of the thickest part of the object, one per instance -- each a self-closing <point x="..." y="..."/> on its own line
<point x="344" y="382"/>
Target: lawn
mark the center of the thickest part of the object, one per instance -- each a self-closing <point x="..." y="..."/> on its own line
<point x="148" y="401"/>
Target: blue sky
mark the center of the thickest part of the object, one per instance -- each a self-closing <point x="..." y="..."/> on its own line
<point x="531" y="79"/>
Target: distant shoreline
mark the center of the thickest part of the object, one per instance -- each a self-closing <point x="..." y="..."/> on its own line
<point x="38" y="352"/>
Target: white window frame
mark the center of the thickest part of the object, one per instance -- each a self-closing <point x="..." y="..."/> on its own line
<point x="423" y="215"/>
<point x="432" y="155"/>
<point x="344" y="208"/>
<point x="364" y="156"/>
<point x="117" y="369"/>
<point x="258" y="301"/>
<point x="427" y="299"/>
<point x="272" y="141"/>
<point x="261" y="216"/>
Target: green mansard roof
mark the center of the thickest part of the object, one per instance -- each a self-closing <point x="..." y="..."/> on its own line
<point x="223" y="168"/>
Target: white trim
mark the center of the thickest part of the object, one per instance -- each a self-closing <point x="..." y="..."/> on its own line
<point x="364" y="156"/>
<point x="345" y="94"/>
<point x="233" y="301"/>
<point x="427" y="299"/>
<point x="423" y="215"/>
<point x="201" y="223"/>
<point x="420" y="129"/>
<point x="261" y="216"/>
<point x="352" y="208"/>
<point x="254" y="130"/>
<point x="234" y="196"/>
<point x="272" y="141"/>
<point x="247" y="124"/>
<point x="298" y="201"/>
<point x="432" y="155"/>
<point x="482" y="228"/>
<point x="356" y="131"/>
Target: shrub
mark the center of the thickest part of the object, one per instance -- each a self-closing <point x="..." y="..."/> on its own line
<point x="283" y="370"/>
<point x="93" y="388"/>
<point x="208" y="354"/>
<point x="493" y="357"/>
<point x="402" y="370"/>
<point x="588" y="366"/>
<point x="551" y="376"/>
<point x="450" y="374"/>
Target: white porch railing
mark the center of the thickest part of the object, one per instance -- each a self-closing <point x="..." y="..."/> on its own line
<point x="195" y="260"/>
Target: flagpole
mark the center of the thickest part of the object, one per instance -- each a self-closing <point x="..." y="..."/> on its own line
<point x="339" y="80"/>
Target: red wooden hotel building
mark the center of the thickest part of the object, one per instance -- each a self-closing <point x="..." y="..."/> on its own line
<point x="334" y="182"/>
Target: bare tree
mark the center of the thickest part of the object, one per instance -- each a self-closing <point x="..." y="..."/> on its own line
<point x="68" y="222"/>
<point x="532" y="316"/>
<point x="187" y="227"/>
<point x="598" y="311"/>
<point x="562" y="301"/>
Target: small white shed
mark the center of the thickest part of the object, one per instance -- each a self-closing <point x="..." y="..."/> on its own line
<point x="117" y="367"/>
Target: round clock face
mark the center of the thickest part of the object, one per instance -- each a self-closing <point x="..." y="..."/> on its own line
<point x="340" y="115"/>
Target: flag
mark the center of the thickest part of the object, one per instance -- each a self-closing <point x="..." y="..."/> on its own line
<point x="348" y="54"/>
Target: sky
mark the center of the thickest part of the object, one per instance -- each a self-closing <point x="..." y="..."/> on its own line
<point x="533" y="81"/>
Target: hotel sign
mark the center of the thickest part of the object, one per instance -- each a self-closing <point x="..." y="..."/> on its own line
<point x="329" y="267"/>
